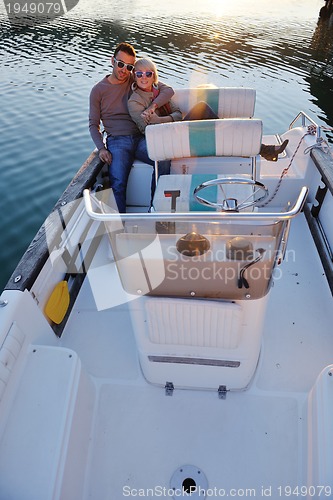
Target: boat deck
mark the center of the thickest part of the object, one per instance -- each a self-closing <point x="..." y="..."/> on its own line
<point x="139" y="433"/>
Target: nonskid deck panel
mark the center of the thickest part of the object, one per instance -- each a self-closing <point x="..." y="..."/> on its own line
<point x="247" y="441"/>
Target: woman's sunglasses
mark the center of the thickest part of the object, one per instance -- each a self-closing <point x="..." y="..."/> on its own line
<point x="121" y="65"/>
<point x="140" y="74"/>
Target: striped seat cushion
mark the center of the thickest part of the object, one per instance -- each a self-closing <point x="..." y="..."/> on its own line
<point x="199" y="138"/>
<point x="226" y="102"/>
<point x="195" y="324"/>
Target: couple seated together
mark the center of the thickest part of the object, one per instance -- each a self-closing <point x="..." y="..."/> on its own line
<point x="126" y="101"/>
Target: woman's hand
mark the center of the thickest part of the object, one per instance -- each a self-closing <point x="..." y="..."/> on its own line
<point x="154" y="118"/>
<point x="146" y="114"/>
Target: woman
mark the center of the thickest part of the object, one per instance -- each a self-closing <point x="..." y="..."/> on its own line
<point x="146" y="88"/>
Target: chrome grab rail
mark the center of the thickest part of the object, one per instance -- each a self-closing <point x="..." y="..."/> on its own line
<point x="198" y="216"/>
<point x="305" y="117"/>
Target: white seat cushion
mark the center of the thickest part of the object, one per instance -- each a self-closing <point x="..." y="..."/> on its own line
<point x="226" y="102"/>
<point x="229" y="137"/>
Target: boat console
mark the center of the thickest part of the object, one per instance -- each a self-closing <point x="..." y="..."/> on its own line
<point x="201" y="263"/>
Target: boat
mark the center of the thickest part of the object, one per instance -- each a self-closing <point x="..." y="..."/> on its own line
<point x="182" y="350"/>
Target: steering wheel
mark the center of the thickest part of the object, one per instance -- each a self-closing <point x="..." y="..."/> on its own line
<point x="232" y="204"/>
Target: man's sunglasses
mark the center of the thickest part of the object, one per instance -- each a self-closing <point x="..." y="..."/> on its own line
<point x="121" y="65"/>
<point x="140" y="74"/>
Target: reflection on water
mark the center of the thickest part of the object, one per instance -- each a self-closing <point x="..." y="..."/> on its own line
<point x="321" y="70"/>
<point x="47" y="73"/>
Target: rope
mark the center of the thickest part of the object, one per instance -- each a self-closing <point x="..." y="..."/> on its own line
<point x="320" y="144"/>
<point x="312" y="130"/>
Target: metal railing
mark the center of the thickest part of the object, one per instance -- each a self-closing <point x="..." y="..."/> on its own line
<point x="197" y="216"/>
<point x="305" y="120"/>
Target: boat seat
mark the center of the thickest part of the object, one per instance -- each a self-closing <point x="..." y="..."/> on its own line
<point x="42" y="443"/>
<point x="231" y="137"/>
<point x="226" y="102"/>
<point x="199" y="138"/>
<point x="138" y="192"/>
<point x="320" y="444"/>
<point x="198" y="344"/>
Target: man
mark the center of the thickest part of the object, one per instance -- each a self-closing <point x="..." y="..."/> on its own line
<point x="108" y="103"/>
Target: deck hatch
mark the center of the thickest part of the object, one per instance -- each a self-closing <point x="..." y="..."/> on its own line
<point x="189" y="481"/>
<point x="194" y="361"/>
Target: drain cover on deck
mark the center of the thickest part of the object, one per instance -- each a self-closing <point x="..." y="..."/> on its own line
<point x="189" y="481"/>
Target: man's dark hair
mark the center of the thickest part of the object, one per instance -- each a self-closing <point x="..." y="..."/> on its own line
<point x="125" y="47"/>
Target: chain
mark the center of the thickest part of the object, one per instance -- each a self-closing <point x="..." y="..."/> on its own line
<point x="312" y="129"/>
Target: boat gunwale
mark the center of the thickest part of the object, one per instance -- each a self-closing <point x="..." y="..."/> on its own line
<point x="37" y="253"/>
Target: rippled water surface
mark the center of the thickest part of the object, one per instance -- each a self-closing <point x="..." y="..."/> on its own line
<point x="47" y="72"/>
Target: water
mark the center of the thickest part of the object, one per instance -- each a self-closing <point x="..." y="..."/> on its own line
<point x="47" y="72"/>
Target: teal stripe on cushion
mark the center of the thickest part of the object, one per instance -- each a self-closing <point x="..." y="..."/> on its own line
<point x="209" y="193"/>
<point x="202" y="138"/>
<point x="211" y="97"/>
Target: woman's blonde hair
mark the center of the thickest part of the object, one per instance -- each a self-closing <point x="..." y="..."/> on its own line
<point x="146" y="64"/>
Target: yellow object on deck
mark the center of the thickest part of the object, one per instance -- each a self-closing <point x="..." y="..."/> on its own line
<point x="57" y="305"/>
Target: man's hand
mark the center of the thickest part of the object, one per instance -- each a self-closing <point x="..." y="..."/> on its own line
<point x="105" y="156"/>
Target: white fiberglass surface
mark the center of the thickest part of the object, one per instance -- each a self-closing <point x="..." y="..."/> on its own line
<point x="252" y="439"/>
<point x="143" y="436"/>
